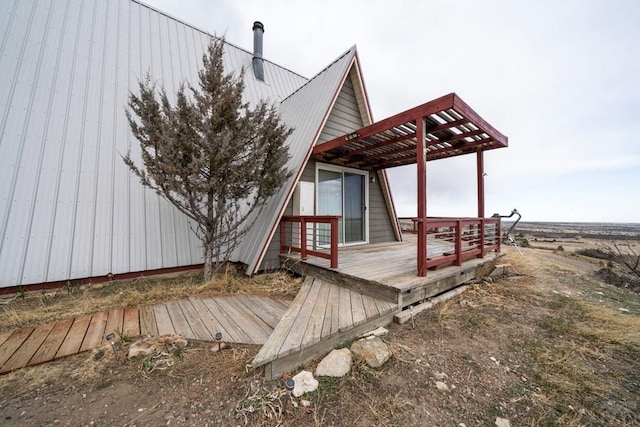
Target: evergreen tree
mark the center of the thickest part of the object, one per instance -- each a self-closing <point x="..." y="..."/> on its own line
<point x="211" y="155"/>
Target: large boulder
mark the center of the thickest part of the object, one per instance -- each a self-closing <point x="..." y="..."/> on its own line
<point x="335" y="364"/>
<point x="372" y="350"/>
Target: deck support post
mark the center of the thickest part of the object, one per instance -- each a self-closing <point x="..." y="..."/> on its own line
<point x="480" y="171"/>
<point x="422" y="197"/>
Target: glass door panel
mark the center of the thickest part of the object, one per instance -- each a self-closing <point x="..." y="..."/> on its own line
<point x="354" y="205"/>
<point x="329" y="203"/>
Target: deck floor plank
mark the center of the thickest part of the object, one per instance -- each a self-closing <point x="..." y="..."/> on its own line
<point x="345" y="317"/>
<point x="131" y="322"/>
<point x="163" y="321"/>
<point x="357" y="308"/>
<point x="260" y="317"/>
<point x="13" y="343"/>
<point x="246" y="304"/>
<point x="4" y="335"/>
<point x="331" y="322"/>
<point x="270" y="349"/>
<point x="194" y="319"/>
<point x="179" y="321"/>
<point x="313" y="333"/>
<point x="95" y="332"/>
<point x="234" y="332"/>
<point x="266" y="312"/>
<point x="235" y="311"/>
<point x="114" y="323"/>
<point x="52" y="343"/>
<point x="299" y="326"/>
<point x="277" y="306"/>
<point x="148" y="325"/>
<point x="75" y="336"/>
<point x="25" y="352"/>
<point x="208" y="319"/>
<point x="370" y="307"/>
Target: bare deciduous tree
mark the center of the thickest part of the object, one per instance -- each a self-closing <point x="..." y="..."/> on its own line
<point x="627" y="255"/>
<point x="211" y="155"/>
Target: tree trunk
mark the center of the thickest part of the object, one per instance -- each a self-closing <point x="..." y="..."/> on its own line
<point x="208" y="262"/>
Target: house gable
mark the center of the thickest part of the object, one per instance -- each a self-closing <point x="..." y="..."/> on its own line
<point x="349" y="110"/>
<point x="305" y="111"/>
<point x="345" y="115"/>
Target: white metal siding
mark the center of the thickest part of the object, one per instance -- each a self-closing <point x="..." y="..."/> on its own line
<point x="69" y="207"/>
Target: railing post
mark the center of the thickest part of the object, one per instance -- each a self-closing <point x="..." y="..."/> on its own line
<point x="303" y="238"/>
<point x="498" y="234"/>
<point x="334" y="243"/>
<point x="283" y="224"/>
<point x="482" y="252"/>
<point x="458" y="242"/>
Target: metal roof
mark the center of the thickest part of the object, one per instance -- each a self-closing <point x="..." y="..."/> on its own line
<point x="452" y="128"/>
<point x="69" y="206"/>
<point x="305" y="111"/>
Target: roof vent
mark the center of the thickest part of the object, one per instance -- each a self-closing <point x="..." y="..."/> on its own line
<point x="258" y="65"/>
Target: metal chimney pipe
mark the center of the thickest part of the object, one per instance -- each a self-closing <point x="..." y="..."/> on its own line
<point x="258" y="65"/>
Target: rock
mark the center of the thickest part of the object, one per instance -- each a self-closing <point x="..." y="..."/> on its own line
<point x="305" y="403"/>
<point x="440" y="376"/>
<point x="624" y="310"/>
<point x="305" y="383"/>
<point x="336" y="364"/>
<point x="218" y="347"/>
<point x="442" y="386"/>
<point x="374" y="351"/>
<point x="502" y="422"/>
<point x="150" y="345"/>
<point x="380" y="332"/>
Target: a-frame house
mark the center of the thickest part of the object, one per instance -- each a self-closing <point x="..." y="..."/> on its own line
<point x="72" y="212"/>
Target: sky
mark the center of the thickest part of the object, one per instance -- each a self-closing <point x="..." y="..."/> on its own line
<point x="560" y="78"/>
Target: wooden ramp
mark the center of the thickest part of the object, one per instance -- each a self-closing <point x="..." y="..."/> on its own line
<point x="322" y="316"/>
<point x="240" y="319"/>
<point x="43" y="343"/>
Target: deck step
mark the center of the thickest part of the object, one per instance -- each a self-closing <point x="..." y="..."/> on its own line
<point x="322" y="315"/>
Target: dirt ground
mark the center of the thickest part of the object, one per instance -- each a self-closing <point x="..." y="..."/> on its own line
<point x="546" y="344"/>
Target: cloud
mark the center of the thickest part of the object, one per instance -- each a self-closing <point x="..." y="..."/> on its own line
<point x="561" y="79"/>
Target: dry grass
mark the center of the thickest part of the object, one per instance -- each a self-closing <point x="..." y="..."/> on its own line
<point x="44" y="306"/>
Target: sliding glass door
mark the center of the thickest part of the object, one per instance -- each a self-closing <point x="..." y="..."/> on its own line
<point x="343" y="192"/>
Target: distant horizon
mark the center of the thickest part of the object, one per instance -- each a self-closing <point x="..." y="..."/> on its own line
<point x="574" y="222"/>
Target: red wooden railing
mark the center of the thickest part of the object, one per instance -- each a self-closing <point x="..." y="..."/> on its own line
<point x="302" y="234"/>
<point x="469" y="238"/>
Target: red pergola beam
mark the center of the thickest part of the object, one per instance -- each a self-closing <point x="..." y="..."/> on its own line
<point x="443" y="103"/>
<point x="380" y="144"/>
<point x="463" y="109"/>
<point x="409" y="148"/>
<point x="408" y="159"/>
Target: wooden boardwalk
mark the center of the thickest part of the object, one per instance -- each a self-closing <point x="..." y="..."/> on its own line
<point x="321" y="316"/>
<point x="240" y="319"/>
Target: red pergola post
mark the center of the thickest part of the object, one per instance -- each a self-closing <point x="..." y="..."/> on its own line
<point x="422" y="197"/>
<point x="480" y="171"/>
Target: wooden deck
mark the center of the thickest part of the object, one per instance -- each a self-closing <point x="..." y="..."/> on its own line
<point x="321" y="316"/>
<point x="389" y="270"/>
<point x="371" y="285"/>
<point x="240" y="319"/>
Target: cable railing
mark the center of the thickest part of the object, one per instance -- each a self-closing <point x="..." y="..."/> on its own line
<point x="310" y="235"/>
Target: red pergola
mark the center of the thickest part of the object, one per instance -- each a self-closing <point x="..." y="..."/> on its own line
<point x="444" y="127"/>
